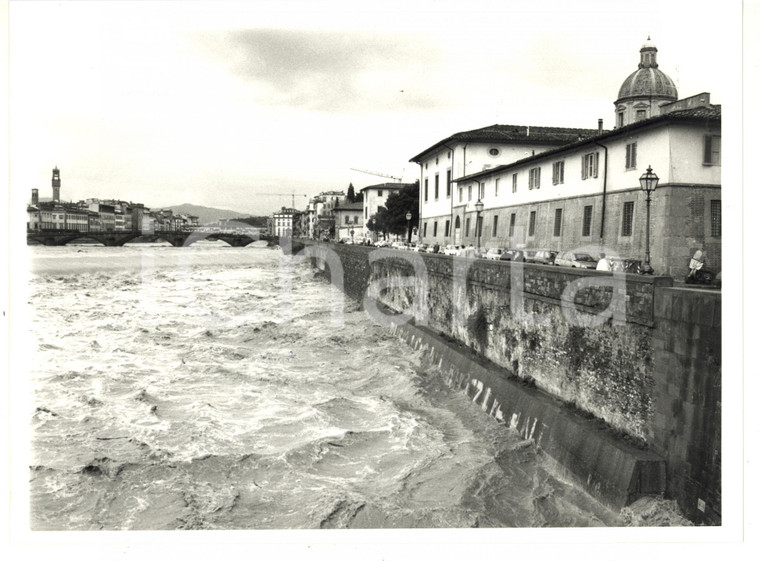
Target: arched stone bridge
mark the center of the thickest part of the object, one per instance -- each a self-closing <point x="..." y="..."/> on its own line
<point x="118" y="238"/>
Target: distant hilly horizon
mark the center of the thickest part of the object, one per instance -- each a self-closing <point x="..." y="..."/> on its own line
<point x="207" y="214"/>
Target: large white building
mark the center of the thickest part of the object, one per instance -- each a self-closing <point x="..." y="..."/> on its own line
<point x="585" y="191"/>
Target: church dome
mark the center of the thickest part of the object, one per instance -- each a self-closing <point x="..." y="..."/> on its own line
<point x="648" y="81"/>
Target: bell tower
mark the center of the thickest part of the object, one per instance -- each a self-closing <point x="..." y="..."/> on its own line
<point x="56" y="185"/>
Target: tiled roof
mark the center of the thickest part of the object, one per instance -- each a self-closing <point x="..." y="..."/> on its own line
<point x="509" y="134"/>
<point x="387" y="186"/>
<point x="709" y="113"/>
<point x="350" y="206"/>
<point x="712" y="113"/>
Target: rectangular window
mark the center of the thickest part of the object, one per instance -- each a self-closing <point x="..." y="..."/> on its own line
<point x="534" y="178"/>
<point x="469" y="192"/>
<point x="514" y="183"/>
<point x="715" y="220"/>
<point x="532" y="223"/>
<point x="380" y="193"/>
<point x="467" y="227"/>
<point x="495" y="226"/>
<point x="435" y="228"/>
<point x="558" y="173"/>
<point x="356" y="219"/>
<point x="627" y="219"/>
<point x="512" y="220"/>
<point x="587" y="221"/>
<point x="496" y="188"/>
<point x="460" y="194"/>
<point x="448" y="183"/>
<point x="641" y="114"/>
<point x="481" y="191"/>
<point x="589" y="166"/>
<point x="630" y="156"/>
<point x="424" y="230"/>
<point x="619" y="119"/>
<point x="435" y="187"/>
<point x="345" y="219"/>
<point x="426" y="189"/>
<point x="557" y="222"/>
<point x="712" y="150"/>
<point x="446" y="229"/>
<point x="365" y="214"/>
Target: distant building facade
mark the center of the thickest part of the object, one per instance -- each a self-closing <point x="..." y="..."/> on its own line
<point x="373" y="197"/>
<point x="349" y="221"/>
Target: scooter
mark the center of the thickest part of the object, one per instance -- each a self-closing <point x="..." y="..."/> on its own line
<point x="700" y="276"/>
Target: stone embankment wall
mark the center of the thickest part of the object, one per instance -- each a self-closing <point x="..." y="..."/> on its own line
<point x="639" y="370"/>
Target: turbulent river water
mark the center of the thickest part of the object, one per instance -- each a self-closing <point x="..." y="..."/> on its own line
<point x="171" y="392"/>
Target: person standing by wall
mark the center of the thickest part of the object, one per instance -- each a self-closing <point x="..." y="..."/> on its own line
<point x="604" y="263"/>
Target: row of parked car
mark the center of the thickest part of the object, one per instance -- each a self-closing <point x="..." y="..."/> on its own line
<point x="576" y="259"/>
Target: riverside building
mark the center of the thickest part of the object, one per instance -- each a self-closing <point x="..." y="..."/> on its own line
<point x="559" y="189"/>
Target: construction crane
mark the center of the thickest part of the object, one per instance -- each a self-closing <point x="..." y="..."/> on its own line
<point x="291" y="195"/>
<point x="379" y="174"/>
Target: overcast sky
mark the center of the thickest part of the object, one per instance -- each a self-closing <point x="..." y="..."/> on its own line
<point x="232" y="105"/>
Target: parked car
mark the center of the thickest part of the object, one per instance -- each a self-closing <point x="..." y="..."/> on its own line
<point x="507" y="254"/>
<point x="576" y="259"/>
<point x="452" y="250"/>
<point x="420" y="247"/>
<point x="494" y="253"/>
<point x="541" y="256"/>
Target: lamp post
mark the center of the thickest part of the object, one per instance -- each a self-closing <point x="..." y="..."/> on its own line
<point x="409" y="226"/>
<point x="648" y="182"/>
<point x="478" y="209"/>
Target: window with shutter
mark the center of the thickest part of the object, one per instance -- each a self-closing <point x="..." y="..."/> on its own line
<point x="534" y="178"/>
<point x="630" y="156"/>
<point x="558" y="173"/>
<point x="712" y="150"/>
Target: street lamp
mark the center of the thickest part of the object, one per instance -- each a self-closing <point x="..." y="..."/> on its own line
<point x="648" y="182"/>
<point x="409" y="226"/>
<point x="478" y="209"/>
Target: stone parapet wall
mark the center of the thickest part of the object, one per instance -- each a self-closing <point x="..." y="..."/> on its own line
<point x="650" y="370"/>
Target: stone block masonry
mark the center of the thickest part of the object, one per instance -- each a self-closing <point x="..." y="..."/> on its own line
<point x="649" y="373"/>
<point x="686" y="427"/>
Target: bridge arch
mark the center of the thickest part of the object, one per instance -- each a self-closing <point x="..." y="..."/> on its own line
<point x="83" y="236"/>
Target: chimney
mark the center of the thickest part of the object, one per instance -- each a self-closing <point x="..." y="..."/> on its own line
<point x="601" y="127"/>
<point x="35" y="196"/>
